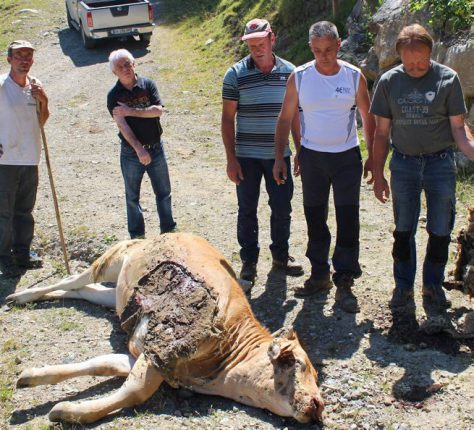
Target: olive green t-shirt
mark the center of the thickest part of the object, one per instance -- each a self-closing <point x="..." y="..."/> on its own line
<point x="419" y="108"/>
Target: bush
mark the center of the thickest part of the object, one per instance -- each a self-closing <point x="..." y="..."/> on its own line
<point x="447" y="16"/>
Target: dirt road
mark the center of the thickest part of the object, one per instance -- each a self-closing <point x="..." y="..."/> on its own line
<point x="372" y="376"/>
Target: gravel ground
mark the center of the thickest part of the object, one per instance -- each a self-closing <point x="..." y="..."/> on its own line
<point x="372" y="376"/>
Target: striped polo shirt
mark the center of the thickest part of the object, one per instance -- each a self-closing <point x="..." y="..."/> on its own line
<point x="260" y="97"/>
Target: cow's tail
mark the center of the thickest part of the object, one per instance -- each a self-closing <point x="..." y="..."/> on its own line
<point x="110" y="257"/>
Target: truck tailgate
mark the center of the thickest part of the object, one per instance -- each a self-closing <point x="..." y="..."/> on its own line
<point x="119" y="16"/>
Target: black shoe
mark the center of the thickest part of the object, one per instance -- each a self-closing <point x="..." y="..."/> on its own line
<point x="313" y="286"/>
<point x="247" y="276"/>
<point x="9" y="269"/>
<point x="290" y="266"/>
<point x="31" y="261"/>
<point x="434" y="300"/>
<point x="402" y="299"/>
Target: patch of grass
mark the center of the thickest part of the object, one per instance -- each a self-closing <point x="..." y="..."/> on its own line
<point x="465" y="188"/>
<point x="10" y="345"/>
<point x="110" y="239"/>
<point x="77" y="100"/>
<point x="82" y="232"/>
<point x="19" y="308"/>
<point x="69" y="326"/>
<point x="59" y="267"/>
<point x="15" y="24"/>
<point x="43" y="426"/>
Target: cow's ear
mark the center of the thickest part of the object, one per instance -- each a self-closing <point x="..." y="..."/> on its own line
<point x="274" y="351"/>
<point x="281" y="355"/>
<point x="280" y="351"/>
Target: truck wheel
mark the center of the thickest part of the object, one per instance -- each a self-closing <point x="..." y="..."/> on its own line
<point x="88" y="42"/>
<point x="69" y="19"/>
<point x="145" y="38"/>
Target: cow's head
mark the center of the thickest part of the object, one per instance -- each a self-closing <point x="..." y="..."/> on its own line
<point x="294" y="379"/>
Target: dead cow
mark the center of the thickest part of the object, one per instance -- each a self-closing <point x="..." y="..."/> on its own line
<point x="189" y="324"/>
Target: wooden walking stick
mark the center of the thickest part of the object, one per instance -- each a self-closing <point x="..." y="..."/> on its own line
<point x="53" y="188"/>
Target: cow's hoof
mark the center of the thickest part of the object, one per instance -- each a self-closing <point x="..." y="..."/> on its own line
<point x="11" y="300"/>
<point x="25" y="380"/>
<point x="62" y="412"/>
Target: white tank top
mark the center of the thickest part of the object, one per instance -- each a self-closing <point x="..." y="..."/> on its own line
<point x="328" y="107"/>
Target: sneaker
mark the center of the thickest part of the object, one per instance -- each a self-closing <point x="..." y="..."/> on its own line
<point x="247" y="276"/>
<point x="290" y="266"/>
<point x="313" y="286"/>
<point x="9" y="269"/>
<point x="402" y="298"/>
<point x="31" y="261"/>
<point x="435" y="300"/>
<point x="344" y="297"/>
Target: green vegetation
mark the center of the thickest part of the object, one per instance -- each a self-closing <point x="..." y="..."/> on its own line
<point x="15" y="24"/>
<point x="222" y="21"/>
<point x="447" y="16"/>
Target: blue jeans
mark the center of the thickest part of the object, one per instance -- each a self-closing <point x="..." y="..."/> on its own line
<point x="18" y="186"/>
<point x="341" y="171"/>
<point x="248" y="193"/>
<point x="435" y="174"/>
<point x="157" y="170"/>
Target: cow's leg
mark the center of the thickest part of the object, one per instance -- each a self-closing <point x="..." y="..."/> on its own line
<point x="104" y="365"/>
<point x="72" y="282"/>
<point x="94" y="293"/>
<point x="143" y="380"/>
<point x="106" y="269"/>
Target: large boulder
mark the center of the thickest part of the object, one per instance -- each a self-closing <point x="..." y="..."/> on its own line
<point x="459" y="55"/>
<point x="387" y="23"/>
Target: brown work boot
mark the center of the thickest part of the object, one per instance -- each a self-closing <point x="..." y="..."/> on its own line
<point x="290" y="266"/>
<point x="247" y="276"/>
<point x="344" y="297"/>
<point x="435" y="300"/>
<point x="314" y="286"/>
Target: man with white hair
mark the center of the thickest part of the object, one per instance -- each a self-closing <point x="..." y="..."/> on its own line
<point x="328" y="91"/>
<point x="20" y="150"/>
<point x="136" y="106"/>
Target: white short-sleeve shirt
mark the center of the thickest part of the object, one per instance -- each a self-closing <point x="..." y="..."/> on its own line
<point x="20" y="134"/>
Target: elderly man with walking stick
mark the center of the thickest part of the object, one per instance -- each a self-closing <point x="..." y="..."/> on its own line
<point x="20" y="150"/>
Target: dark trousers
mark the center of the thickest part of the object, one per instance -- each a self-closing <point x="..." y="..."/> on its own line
<point x="248" y="193"/>
<point x="18" y="186"/>
<point x="319" y="172"/>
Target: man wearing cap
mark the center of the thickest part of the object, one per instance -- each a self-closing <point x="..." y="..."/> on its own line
<point x="328" y="91"/>
<point x="252" y="93"/>
<point x="20" y="150"/>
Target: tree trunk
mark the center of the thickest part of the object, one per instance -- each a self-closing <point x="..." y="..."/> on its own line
<point x="335" y="8"/>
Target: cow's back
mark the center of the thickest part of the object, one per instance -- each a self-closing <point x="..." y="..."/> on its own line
<point x="188" y="292"/>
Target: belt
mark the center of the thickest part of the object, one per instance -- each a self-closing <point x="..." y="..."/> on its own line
<point x="146" y="145"/>
<point x="442" y="154"/>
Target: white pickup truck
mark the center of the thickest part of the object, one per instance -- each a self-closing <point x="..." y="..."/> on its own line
<point x="101" y="19"/>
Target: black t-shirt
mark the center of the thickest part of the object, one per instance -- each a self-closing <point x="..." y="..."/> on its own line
<point x="143" y="94"/>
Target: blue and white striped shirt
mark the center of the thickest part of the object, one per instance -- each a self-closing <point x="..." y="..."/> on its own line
<point x="259" y="97"/>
